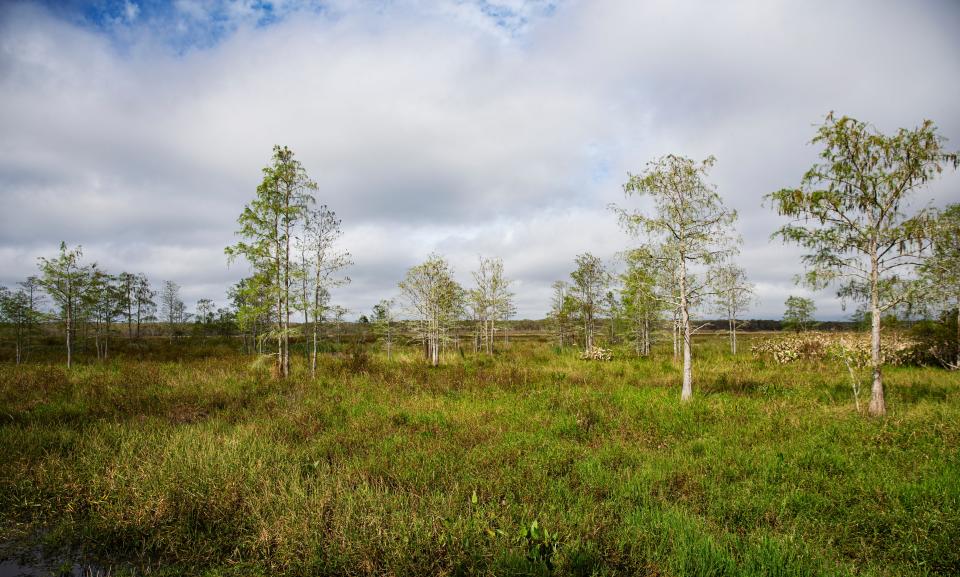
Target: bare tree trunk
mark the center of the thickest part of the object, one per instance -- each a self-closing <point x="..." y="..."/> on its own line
<point x="642" y="350"/>
<point x="286" y="301"/>
<point x="69" y="333"/>
<point x="493" y="332"/>
<point x="686" y="392"/>
<point x="646" y="336"/>
<point x="279" y="338"/>
<point x="587" y="336"/>
<point x="313" y="354"/>
<point x="676" y="336"/>
<point x="279" y="361"/>
<point x="877" y="405"/>
<point x="638" y="337"/>
<point x="733" y="334"/>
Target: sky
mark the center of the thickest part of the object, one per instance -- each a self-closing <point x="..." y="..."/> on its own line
<point x="463" y="127"/>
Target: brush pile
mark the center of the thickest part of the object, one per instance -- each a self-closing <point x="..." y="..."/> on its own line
<point x="597" y="354"/>
<point x="896" y="349"/>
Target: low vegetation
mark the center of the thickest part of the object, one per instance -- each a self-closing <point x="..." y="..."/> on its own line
<point x="530" y="462"/>
<point x="898" y="349"/>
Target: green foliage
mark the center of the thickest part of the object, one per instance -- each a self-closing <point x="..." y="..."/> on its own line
<point x="590" y="281"/>
<point x="435" y="301"/>
<point x="849" y="214"/>
<point x="563" y="311"/>
<point x="643" y="305"/>
<point x="942" y="267"/>
<point x="848" y="211"/>
<point x="689" y="227"/>
<point x="798" y="315"/>
<point x="689" y="218"/>
<point x="384" y="321"/>
<point x="938" y="339"/>
<point x="940" y="277"/>
<point x="267" y="228"/>
<point x="541" y="546"/>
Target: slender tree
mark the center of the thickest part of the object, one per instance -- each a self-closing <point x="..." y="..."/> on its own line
<point x="590" y="281"/>
<point x="338" y="315"/>
<point x="613" y="307"/>
<point x="691" y="226"/>
<point x="253" y="310"/>
<point x="15" y="310"/>
<point x="435" y="301"/>
<point x="268" y="225"/>
<point x="205" y="316"/>
<point x="798" y="314"/>
<point x="126" y="285"/>
<point x="171" y="307"/>
<point x="206" y="311"/>
<point x="20" y="308"/>
<point x="143" y="301"/>
<point x="103" y="301"/>
<point x="491" y="300"/>
<point x="732" y="294"/>
<point x="562" y="309"/>
<point x="383" y="324"/>
<point x="640" y="296"/>
<point x="849" y="213"/>
<point x="65" y="279"/>
<point x="321" y="269"/>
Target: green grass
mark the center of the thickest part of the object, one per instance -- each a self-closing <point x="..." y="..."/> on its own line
<point x="207" y="466"/>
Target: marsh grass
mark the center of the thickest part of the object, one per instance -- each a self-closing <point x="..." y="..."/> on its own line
<point x="208" y="466"/>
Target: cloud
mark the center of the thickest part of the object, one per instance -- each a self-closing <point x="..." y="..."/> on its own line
<point x="497" y="128"/>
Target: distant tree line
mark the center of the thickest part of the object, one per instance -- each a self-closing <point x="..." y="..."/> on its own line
<point x="94" y="307"/>
<point x="849" y="213"/>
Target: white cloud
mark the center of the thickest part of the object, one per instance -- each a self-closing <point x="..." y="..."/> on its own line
<point x="130" y="11"/>
<point x="431" y="126"/>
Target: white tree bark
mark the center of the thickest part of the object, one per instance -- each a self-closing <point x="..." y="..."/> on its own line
<point x="686" y="392"/>
<point x="877" y="405"/>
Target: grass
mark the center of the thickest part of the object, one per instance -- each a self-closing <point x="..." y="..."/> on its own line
<point x="208" y="466"/>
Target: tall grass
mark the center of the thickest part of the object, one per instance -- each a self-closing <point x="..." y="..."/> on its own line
<point x="208" y="466"/>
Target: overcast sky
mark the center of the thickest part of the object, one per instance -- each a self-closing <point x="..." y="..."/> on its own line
<point x="471" y="127"/>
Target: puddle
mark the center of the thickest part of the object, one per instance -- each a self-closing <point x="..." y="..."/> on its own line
<point x="34" y="565"/>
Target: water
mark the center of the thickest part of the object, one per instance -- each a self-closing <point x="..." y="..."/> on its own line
<point x="33" y="564"/>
